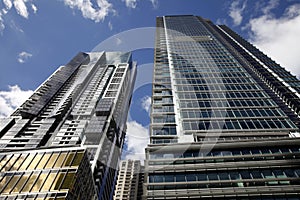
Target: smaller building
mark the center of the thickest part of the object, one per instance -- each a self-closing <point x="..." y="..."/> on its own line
<point x="130" y="180"/>
<point x="44" y="174"/>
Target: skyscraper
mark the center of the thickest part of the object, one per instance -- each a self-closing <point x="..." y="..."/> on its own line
<point x="65" y="141"/>
<point x="130" y="180"/>
<point x="224" y="118"/>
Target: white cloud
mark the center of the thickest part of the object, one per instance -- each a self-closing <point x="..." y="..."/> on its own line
<point x="146" y="103"/>
<point x="270" y="6"/>
<point x="2" y="26"/>
<point x="235" y="11"/>
<point x="15" y="26"/>
<point x="34" y="8"/>
<point x="8" y="4"/>
<point x="133" y="3"/>
<point x="130" y="3"/>
<point x="10" y="100"/>
<point x="279" y="37"/>
<point x="154" y="3"/>
<point x="221" y="21"/>
<point x="23" y="56"/>
<point x="91" y="11"/>
<point x="21" y="8"/>
<point x="137" y="138"/>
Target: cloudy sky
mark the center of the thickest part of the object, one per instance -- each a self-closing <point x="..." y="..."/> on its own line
<point x="38" y="36"/>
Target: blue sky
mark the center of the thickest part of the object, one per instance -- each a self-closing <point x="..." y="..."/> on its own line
<point x="38" y="36"/>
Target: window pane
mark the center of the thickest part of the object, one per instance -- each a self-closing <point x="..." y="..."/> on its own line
<point x="191" y="177"/>
<point x="20" y="184"/>
<point x="43" y="161"/>
<point x="57" y="182"/>
<point x="180" y="178"/>
<point x="48" y="182"/>
<point x="35" y="161"/>
<point x="60" y="160"/>
<point x="52" y="160"/>
<point x="10" y="163"/>
<point x="69" y="159"/>
<point x="69" y="181"/>
<point x="4" y="181"/>
<point x="11" y="184"/>
<point x="29" y="183"/>
<point x="26" y="162"/>
<point x="39" y="182"/>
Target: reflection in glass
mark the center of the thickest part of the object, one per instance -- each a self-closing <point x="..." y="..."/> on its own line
<point x="35" y="161"/>
<point x="60" y="160"/>
<point x="26" y="162"/>
<point x="20" y="184"/>
<point x="57" y="182"/>
<point x="51" y="160"/>
<point x="43" y="161"/>
<point x="39" y="182"/>
<point x="11" y="184"/>
<point x="48" y="182"/>
<point x="30" y="183"/>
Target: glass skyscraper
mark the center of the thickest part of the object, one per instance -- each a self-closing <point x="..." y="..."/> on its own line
<point x="65" y="141"/>
<point x="224" y="118"/>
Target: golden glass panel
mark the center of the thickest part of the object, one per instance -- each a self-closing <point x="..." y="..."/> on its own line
<point x="68" y="181"/>
<point x="39" y="182"/>
<point x="10" y="163"/>
<point x="22" y="181"/>
<point x="18" y="163"/>
<point x="3" y="161"/>
<point x="35" y="161"/>
<point x="43" y="161"/>
<point x="4" y="181"/>
<point x="11" y="184"/>
<point x="48" y="182"/>
<point x="60" y="160"/>
<point x="77" y="159"/>
<point x="57" y="182"/>
<point x="51" y="160"/>
<point x="69" y="159"/>
<point x="30" y="183"/>
<point x="26" y="162"/>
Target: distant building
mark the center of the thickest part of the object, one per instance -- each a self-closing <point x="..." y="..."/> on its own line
<point x="69" y="134"/>
<point x="130" y="180"/>
<point x="224" y="117"/>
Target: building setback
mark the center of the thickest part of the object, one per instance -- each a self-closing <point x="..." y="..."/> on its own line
<point x="130" y="180"/>
<point x="224" y="117"/>
<point x="65" y="141"/>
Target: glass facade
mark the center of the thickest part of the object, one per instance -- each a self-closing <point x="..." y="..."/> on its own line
<point x="83" y="104"/>
<point x="220" y="127"/>
<point x="46" y="174"/>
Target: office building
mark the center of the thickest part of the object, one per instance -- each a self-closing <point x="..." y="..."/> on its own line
<point x="130" y="180"/>
<point x="65" y="141"/>
<point x="224" y="117"/>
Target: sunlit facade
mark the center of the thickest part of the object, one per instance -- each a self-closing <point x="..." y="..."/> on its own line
<point x="46" y="174"/>
<point x="224" y="118"/>
<point x="65" y="141"/>
<point x="130" y="179"/>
